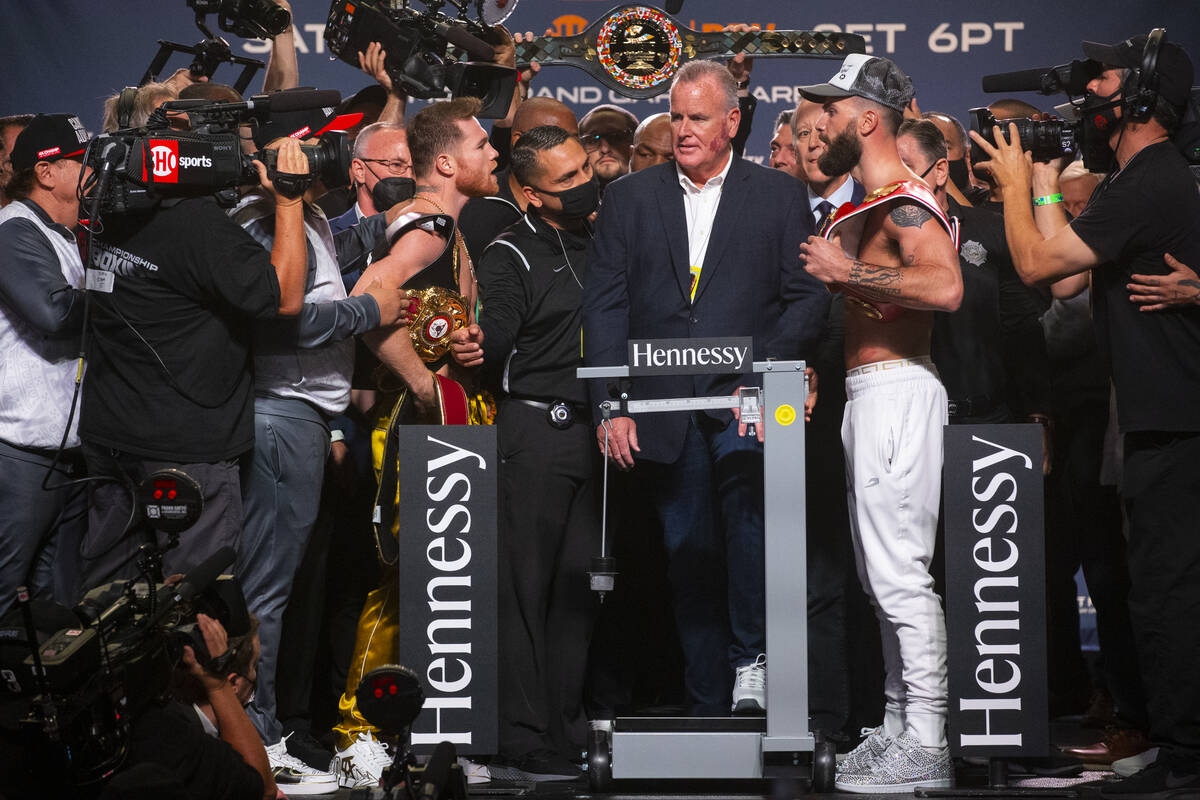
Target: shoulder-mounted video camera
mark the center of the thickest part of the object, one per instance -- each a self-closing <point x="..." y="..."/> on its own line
<point x="1089" y="119"/>
<point x="428" y="53"/>
<point x="135" y="169"/>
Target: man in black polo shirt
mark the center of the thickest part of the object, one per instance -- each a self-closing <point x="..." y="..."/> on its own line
<point x="1142" y="217"/>
<point x="531" y="286"/>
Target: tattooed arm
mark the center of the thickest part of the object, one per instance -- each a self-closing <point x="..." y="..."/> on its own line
<point x="928" y="277"/>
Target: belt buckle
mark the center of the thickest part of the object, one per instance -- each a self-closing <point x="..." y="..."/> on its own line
<point x="560" y="415"/>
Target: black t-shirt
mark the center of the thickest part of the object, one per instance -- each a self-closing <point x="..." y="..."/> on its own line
<point x="170" y="735"/>
<point x="992" y="350"/>
<point x="1149" y="208"/>
<point x="169" y="367"/>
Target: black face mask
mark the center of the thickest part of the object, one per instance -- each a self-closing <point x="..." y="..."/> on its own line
<point x="1099" y="115"/>
<point x="580" y="201"/>
<point x="387" y="192"/>
<point x="959" y="176"/>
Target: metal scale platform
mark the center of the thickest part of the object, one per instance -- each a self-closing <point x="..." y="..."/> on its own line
<point x="741" y="748"/>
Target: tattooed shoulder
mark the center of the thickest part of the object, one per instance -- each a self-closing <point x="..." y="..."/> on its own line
<point x="910" y="215"/>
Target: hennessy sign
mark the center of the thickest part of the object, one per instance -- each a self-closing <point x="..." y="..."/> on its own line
<point x="635" y="50"/>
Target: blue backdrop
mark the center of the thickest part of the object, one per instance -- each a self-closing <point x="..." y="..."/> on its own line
<point x="69" y="54"/>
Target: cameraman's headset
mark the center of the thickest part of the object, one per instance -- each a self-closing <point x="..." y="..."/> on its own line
<point x="1140" y="88"/>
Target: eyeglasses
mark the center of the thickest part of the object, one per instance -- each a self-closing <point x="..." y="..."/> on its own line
<point x="393" y="165"/>
<point x="615" y="139"/>
<point x="930" y="167"/>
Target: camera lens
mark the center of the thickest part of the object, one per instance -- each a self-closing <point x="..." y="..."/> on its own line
<point x="273" y="19"/>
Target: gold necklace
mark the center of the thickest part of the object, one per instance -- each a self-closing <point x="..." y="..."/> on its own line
<point x="459" y="243"/>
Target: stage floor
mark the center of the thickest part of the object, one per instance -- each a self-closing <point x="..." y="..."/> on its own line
<point x="1065" y="732"/>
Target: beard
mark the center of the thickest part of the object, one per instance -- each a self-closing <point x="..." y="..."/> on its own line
<point x="479" y="185"/>
<point x="841" y="153"/>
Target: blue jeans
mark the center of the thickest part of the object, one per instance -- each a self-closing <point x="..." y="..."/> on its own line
<point x="710" y="503"/>
<point x="281" y="491"/>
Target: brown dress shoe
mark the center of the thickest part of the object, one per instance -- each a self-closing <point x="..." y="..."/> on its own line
<point x="1118" y="743"/>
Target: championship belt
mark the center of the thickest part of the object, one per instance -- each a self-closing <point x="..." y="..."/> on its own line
<point x="851" y="232"/>
<point x="634" y="50"/>
<point x="440" y="313"/>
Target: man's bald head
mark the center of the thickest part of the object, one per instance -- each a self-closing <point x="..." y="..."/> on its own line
<point x="1011" y="108"/>
<point x="538" y="111"/>
<point x="652" y="142"/>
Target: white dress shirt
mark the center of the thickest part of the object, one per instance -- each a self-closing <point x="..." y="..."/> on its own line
<point x="841" y="195"/>
<point x="700" y="206"/>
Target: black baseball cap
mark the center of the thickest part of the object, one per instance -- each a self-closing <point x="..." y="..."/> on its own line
<point x="869" y="77"/>
<point x="1173" y="67"/>
<point x="49" y="137"/>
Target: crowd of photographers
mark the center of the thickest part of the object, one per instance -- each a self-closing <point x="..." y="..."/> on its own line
<point x="264" y="349"/>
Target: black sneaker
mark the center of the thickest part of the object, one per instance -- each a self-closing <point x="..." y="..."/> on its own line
<point x="539" y="765"/>
<point x="1159" y="781"/>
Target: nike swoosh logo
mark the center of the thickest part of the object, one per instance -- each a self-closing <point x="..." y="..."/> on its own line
<point x="560" y="269"/>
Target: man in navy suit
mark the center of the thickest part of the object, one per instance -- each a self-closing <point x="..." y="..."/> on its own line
<point x="703" y="247"/>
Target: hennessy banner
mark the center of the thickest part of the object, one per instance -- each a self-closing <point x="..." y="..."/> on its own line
<point x="448" y="554"/>
<point x="995" y="590"/>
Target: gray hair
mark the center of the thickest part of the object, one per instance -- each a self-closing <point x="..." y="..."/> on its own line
<point x="363" y="140"/>
<point x="696" y="71"/>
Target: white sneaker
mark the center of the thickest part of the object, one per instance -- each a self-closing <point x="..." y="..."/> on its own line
<point x="1125" y="767"/>
<point x="605" y="725"/>
<point x="293" y="776"/>
<point x="903" y="767"/>
<point x="361" y="765"/>
<point x="862" y="758"/>
<point x="750" y="687"/>
<point x="474" y="771"/>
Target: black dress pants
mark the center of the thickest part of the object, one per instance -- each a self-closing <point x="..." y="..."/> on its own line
<point x="549" y="526"/>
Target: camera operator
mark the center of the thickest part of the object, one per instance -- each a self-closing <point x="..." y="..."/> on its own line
<point x="169" y="375"/>
<point x="223" y="758"/>
<point x="1141" y="219"/>
<point x="40" y="322"/>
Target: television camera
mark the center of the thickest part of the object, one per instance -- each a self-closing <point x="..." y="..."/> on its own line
<point x="429" y="53"/>
<point x="84" y="686"/>
<point x="250" y="19"/>
<point x="135" y="168"/>
<point x="1085" y="128"/>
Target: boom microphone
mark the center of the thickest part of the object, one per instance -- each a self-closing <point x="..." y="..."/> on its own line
<point x="1024" y="80"/>
<point x="433" y="780"/>
<point x="295" y="100"/>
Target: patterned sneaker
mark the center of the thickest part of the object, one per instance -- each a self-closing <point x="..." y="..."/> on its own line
<point x="862" y="758"/>
<point x="294" y="777"/>
<point x="750" y="687"/>
<point x="904" y="766"/>
<point x="361" y="765"/>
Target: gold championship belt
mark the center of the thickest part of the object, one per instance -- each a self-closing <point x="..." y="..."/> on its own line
<point x="440" y="313"/>
<point x="635" y="50"/>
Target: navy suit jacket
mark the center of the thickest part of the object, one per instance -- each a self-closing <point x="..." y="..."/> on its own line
<point x="752" y="284"/>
